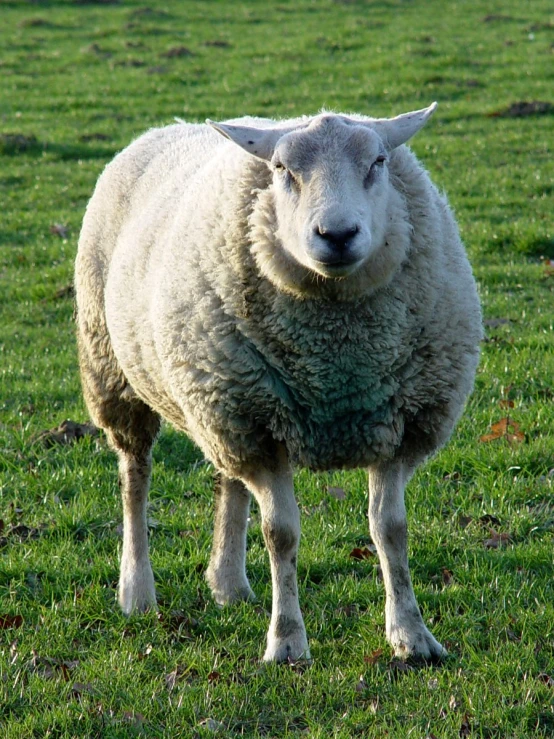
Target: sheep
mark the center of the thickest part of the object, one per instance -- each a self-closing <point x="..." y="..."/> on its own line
<point x="287" y="293"/>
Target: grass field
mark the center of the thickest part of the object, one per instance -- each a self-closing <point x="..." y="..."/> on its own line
<point x="78" y="81"/>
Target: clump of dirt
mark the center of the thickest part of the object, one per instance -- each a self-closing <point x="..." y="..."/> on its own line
<point x="67" y="432"/>
<point x="524" y="109"/>
<point x="177" y="51"/>
<point x="15" y="143"/>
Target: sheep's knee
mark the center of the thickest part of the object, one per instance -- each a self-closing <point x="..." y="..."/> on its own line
<point x="281" y="537"/>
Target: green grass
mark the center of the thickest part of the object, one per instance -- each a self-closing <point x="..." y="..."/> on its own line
<point x="78" y="81"/>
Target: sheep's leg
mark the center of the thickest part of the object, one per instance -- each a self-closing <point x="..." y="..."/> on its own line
<point x="226" y="573"/>
<point x="136" y="580"/>
<point x="387" y="520"/>
<point x="274" y="492"/>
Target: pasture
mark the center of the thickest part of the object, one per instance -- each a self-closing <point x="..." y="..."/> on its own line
<point x="80" y="80"/>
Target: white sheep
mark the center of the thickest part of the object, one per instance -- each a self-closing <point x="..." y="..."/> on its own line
<point x="286" y="293"/>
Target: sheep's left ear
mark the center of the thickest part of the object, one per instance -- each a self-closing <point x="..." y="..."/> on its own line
<point x="260" y="142"/>
<point x="396" y="131"/>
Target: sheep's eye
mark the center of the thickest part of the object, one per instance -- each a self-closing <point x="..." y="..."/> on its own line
<point x="377" y="164"/>
<point x="290" y="179"/>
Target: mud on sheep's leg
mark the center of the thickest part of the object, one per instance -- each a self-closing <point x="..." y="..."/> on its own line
<point x="136" y="580"/>
<point x="387" y="521"/>
<point x="274" y="491"/>
<point x="226" y="574"/>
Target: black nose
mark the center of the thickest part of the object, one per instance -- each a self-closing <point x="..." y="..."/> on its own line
<point x="338" y="239"/>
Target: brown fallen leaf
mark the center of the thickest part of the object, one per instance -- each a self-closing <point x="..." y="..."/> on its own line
<point x="504" y="403"/>
<point x="496" y="540"/>
<point x="359" y="554"/>
<point x="337" y="493"/>
<point x="447" y="576"/>
<point x="373" y="658"/>
<point x="546" y="679"/>
<point x="504" y="429"/>
<point x="214" y="676"/>
<point x="59" y="230"/>
<point x="11" y="622"/>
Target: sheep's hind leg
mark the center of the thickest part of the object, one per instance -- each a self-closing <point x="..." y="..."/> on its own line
<point x="274" y="492"/>
<point x="136" y="580"/>
<point x="387" y="520"/>
<point x="226" y="573"/>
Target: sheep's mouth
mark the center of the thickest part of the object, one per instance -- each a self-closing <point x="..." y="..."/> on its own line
<point x="336" y="266"/>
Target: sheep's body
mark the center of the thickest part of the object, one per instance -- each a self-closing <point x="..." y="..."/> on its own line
<point x="188" y="309"/>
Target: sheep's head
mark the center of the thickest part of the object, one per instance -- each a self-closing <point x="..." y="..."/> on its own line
<point x="330" y="184"/>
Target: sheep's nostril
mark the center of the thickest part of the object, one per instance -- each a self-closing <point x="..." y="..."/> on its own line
<point x="337" y="238"/>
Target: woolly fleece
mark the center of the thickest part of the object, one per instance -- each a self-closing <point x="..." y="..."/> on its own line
<point x="185" y="302"/>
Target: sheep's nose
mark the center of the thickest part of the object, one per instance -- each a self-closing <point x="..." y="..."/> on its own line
<point x="338" y="239"/>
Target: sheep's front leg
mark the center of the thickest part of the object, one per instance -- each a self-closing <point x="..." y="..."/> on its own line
<point x="136" y="580"/>
<point x="274" y="491"/>
<point x="387" y="521"/>
<point x="226" y="573"/>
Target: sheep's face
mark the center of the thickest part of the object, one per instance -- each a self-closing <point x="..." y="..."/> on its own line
<point x="330" y="184"/>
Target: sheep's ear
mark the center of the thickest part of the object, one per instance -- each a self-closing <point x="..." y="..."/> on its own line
<point x="260" y="142"/>
<point x="396" y="131"/>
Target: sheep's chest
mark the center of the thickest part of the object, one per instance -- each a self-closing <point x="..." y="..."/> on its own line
<point x="330" y="381"/>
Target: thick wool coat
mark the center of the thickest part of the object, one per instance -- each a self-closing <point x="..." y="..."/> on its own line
<point x="184" y="302"/>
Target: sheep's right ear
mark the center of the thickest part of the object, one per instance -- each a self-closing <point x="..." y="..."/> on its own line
<point x="260" y="142"/>
<point x="396" y="131"/>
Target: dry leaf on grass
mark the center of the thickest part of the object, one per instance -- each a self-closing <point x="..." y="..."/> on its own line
<point x="11" y="622"/>
<point x="373" y="658"/>
<point x="447" y="576"/>
<point x="507" y="429"/>
<point x="359" y="554"/>
<point x="59" y="230"/>
<point x="496" y="539"/>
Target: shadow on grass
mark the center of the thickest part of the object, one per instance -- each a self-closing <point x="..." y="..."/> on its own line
<point x="19" y="144"/>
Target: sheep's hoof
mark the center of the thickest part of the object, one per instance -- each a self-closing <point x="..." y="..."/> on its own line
<point x="291" y="647"/>
<point x="418" y="644"/>
<point x="137" y="593"/>
<point x="227" y="590"/>
<point x="225" y="598"/>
